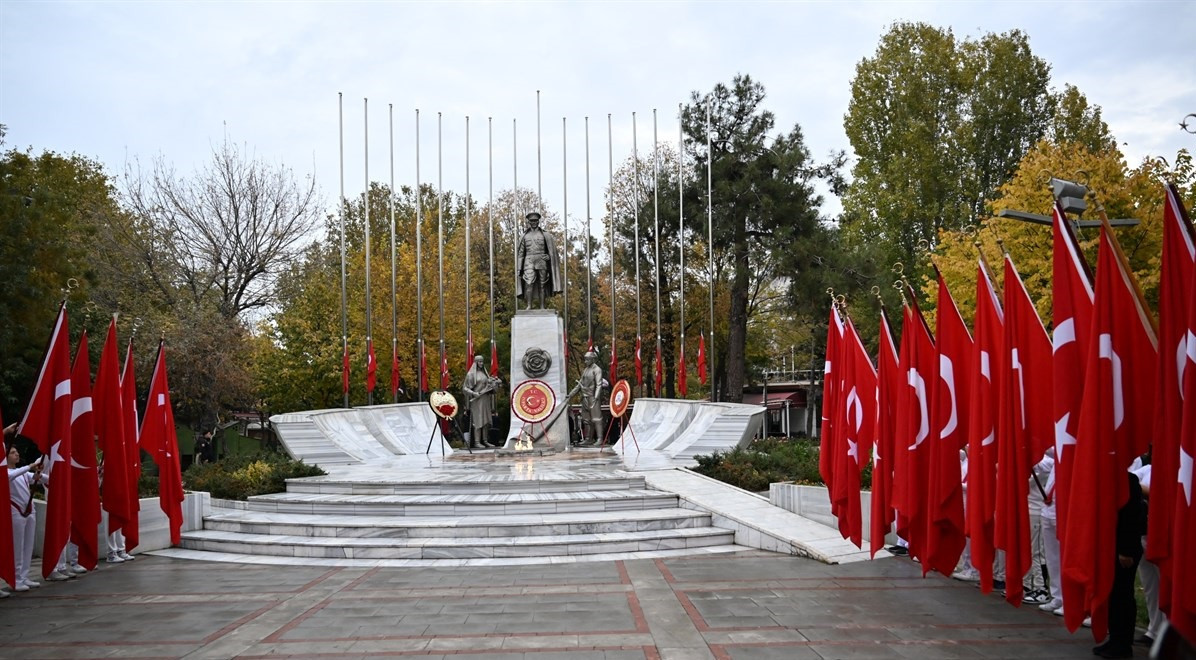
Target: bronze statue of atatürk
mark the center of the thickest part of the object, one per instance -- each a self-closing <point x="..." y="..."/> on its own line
<point x="538" y="268"/>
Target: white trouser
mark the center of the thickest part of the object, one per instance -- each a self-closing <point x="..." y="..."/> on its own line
<point x="68" y="558"/>
<point x="23" y="529"/>
<point x="1032" y="580"/>
<point x="116" y="542"/>
<point x="1050" y="545"/>
<point x="1149" y="572"/>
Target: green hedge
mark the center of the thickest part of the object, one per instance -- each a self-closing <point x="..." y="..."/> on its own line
<point x="239" y="476"/>
<point x="768" y="461"/>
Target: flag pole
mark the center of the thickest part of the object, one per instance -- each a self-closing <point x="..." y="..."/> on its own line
<point x="710" y="246"/>
<point x="440" y="238"/>
<point x="468" y="290"/>
<point x="394" y="256"/>
<point x="539" y="178"/>
<point x="635" y="157"/>
<point x="656" y="214"/>
<point x="490" y="219"/>
<point x="515" y="204"/>
<point x="681" y="242"/>
<point x="340" y="100"/>
<point x="610" y="215"/>
<point x="419" y="270"/>
<point x="369" y="322"/>
<point x="589" y="269"/>
<point x="565" y="222"/>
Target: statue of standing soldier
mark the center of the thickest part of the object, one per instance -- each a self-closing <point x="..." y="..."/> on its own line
<point x="479" y="388"/>
<point x="591" y="398"/>
<point x="538" y="268"/>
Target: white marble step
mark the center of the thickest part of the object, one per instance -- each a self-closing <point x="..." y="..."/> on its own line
<point x="343" y="486"/>
<point x="458" y="547"/>
<point x="555" y="524"/>
<point x="464" y="505"/>
<point x="272" y="560"/>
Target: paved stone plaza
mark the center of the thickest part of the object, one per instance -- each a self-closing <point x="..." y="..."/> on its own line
<point x="743" y="606"/>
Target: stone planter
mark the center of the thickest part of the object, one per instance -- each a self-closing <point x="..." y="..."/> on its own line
<point x="153" y="527"/>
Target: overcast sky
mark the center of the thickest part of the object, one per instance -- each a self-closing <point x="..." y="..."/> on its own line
<point x="135" y="80"/>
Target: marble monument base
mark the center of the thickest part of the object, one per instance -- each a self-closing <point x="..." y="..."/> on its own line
<point x="540" y="328"/>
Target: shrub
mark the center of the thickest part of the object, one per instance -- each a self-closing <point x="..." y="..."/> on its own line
<point x="238" y="477"/>
<point x="767" y="461"/>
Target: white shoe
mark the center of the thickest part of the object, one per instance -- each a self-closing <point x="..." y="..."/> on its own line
<point x="966" y="575"/>
<point x="4" y="593"/>
<point x="1058" y="611"/>
<point x="1051" y="606"/>
<point x="58" y="576"/>
<point x="1087" y="622"/>
<point x="21" y="586"/>
<point x="114" y="558"/>
<point x="77" y="569"/>
<point x="126" y="556"/>
<point x="32" y="584"/>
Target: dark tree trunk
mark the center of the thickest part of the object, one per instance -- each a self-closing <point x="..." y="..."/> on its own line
<point x="737" y="323"/>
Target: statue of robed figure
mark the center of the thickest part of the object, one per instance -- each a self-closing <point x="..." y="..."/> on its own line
<point x="538" y="267"/>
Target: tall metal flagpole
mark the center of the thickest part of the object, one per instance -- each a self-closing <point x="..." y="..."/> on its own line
<point x="539" y="179"/>
<point x="515" y="203"/>
<point x="468" y="291"/>
<point x="340" y="102"/>
<point x="657" y="367"/>
<point x="369" y="322"/>
<point x="490" y="219"/>
<point x="440" y="239"/>
<point x="610" y="216"/>
<point x="681" y="238"/>
<point x="565" y="221"/>
<point x="589" y="270"/>
<point x="394" y="257"/>
<point x="635" y="157"/>
<point x="710" y="245"/>
<point x="419" y="269"/>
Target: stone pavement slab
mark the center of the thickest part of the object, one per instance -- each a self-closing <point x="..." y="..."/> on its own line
<point x="743" y="606"/>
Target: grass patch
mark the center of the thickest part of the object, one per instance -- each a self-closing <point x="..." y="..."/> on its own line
<point x="767" y="461"/>
<point x="238" y="476"/>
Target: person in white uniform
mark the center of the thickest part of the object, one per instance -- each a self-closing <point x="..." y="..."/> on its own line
<point x="24" y="516"/>
<point x="1148" y="572"/>
<point x="1050" y="541"/>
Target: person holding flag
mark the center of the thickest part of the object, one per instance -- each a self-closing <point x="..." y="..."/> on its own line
<point x="24" y="516"/>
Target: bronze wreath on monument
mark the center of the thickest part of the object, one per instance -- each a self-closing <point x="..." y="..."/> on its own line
<point x="536" y="362"/>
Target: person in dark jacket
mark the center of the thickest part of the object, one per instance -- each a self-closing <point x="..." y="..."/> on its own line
<point x="1123" y="607"/>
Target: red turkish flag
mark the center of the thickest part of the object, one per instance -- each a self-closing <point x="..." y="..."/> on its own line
<point x="158" y="439"/>
<point x="1175" y="291"/>
<point x="856" y="419"/>
<point x="945" y="536"/>
<point x="469" y="351"/>
<point x="8" y="568"/>
<point x="47" y="423"/>
<point x="1071" y="320"/>
<point x="911" y="469"/>
<point x="494" y="359"/>
<point x="423" y="366"/>
<point x="128" y="400"/>
<point x="639" y="363"/>
<point x="371" y="366"/>
<point x="682" y="377"/>
<point x="345" y="370"/>
<point x="85" y="484"/>
<point x="887" y="386"/>
<point x="118" y="500"/>
<point x="1024" y="428"/>
<point x="396" y="380"/>
<point x="830" y="401"/>
<point x="614" y="362"/>
<point x="702" y="358"/>
<point x="1183" y="517"/>
<point x="444" y="370"/>
<point x="1115" y="427"/>
<point x="659" y="369"/>
<point x="987" y="365"/>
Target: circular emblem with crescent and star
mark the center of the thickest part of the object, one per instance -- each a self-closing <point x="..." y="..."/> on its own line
<point x="620" y="396"/>
<point x="533" y="401"/>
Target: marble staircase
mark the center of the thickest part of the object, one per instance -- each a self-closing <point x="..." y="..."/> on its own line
<point x="457" y="518"/>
